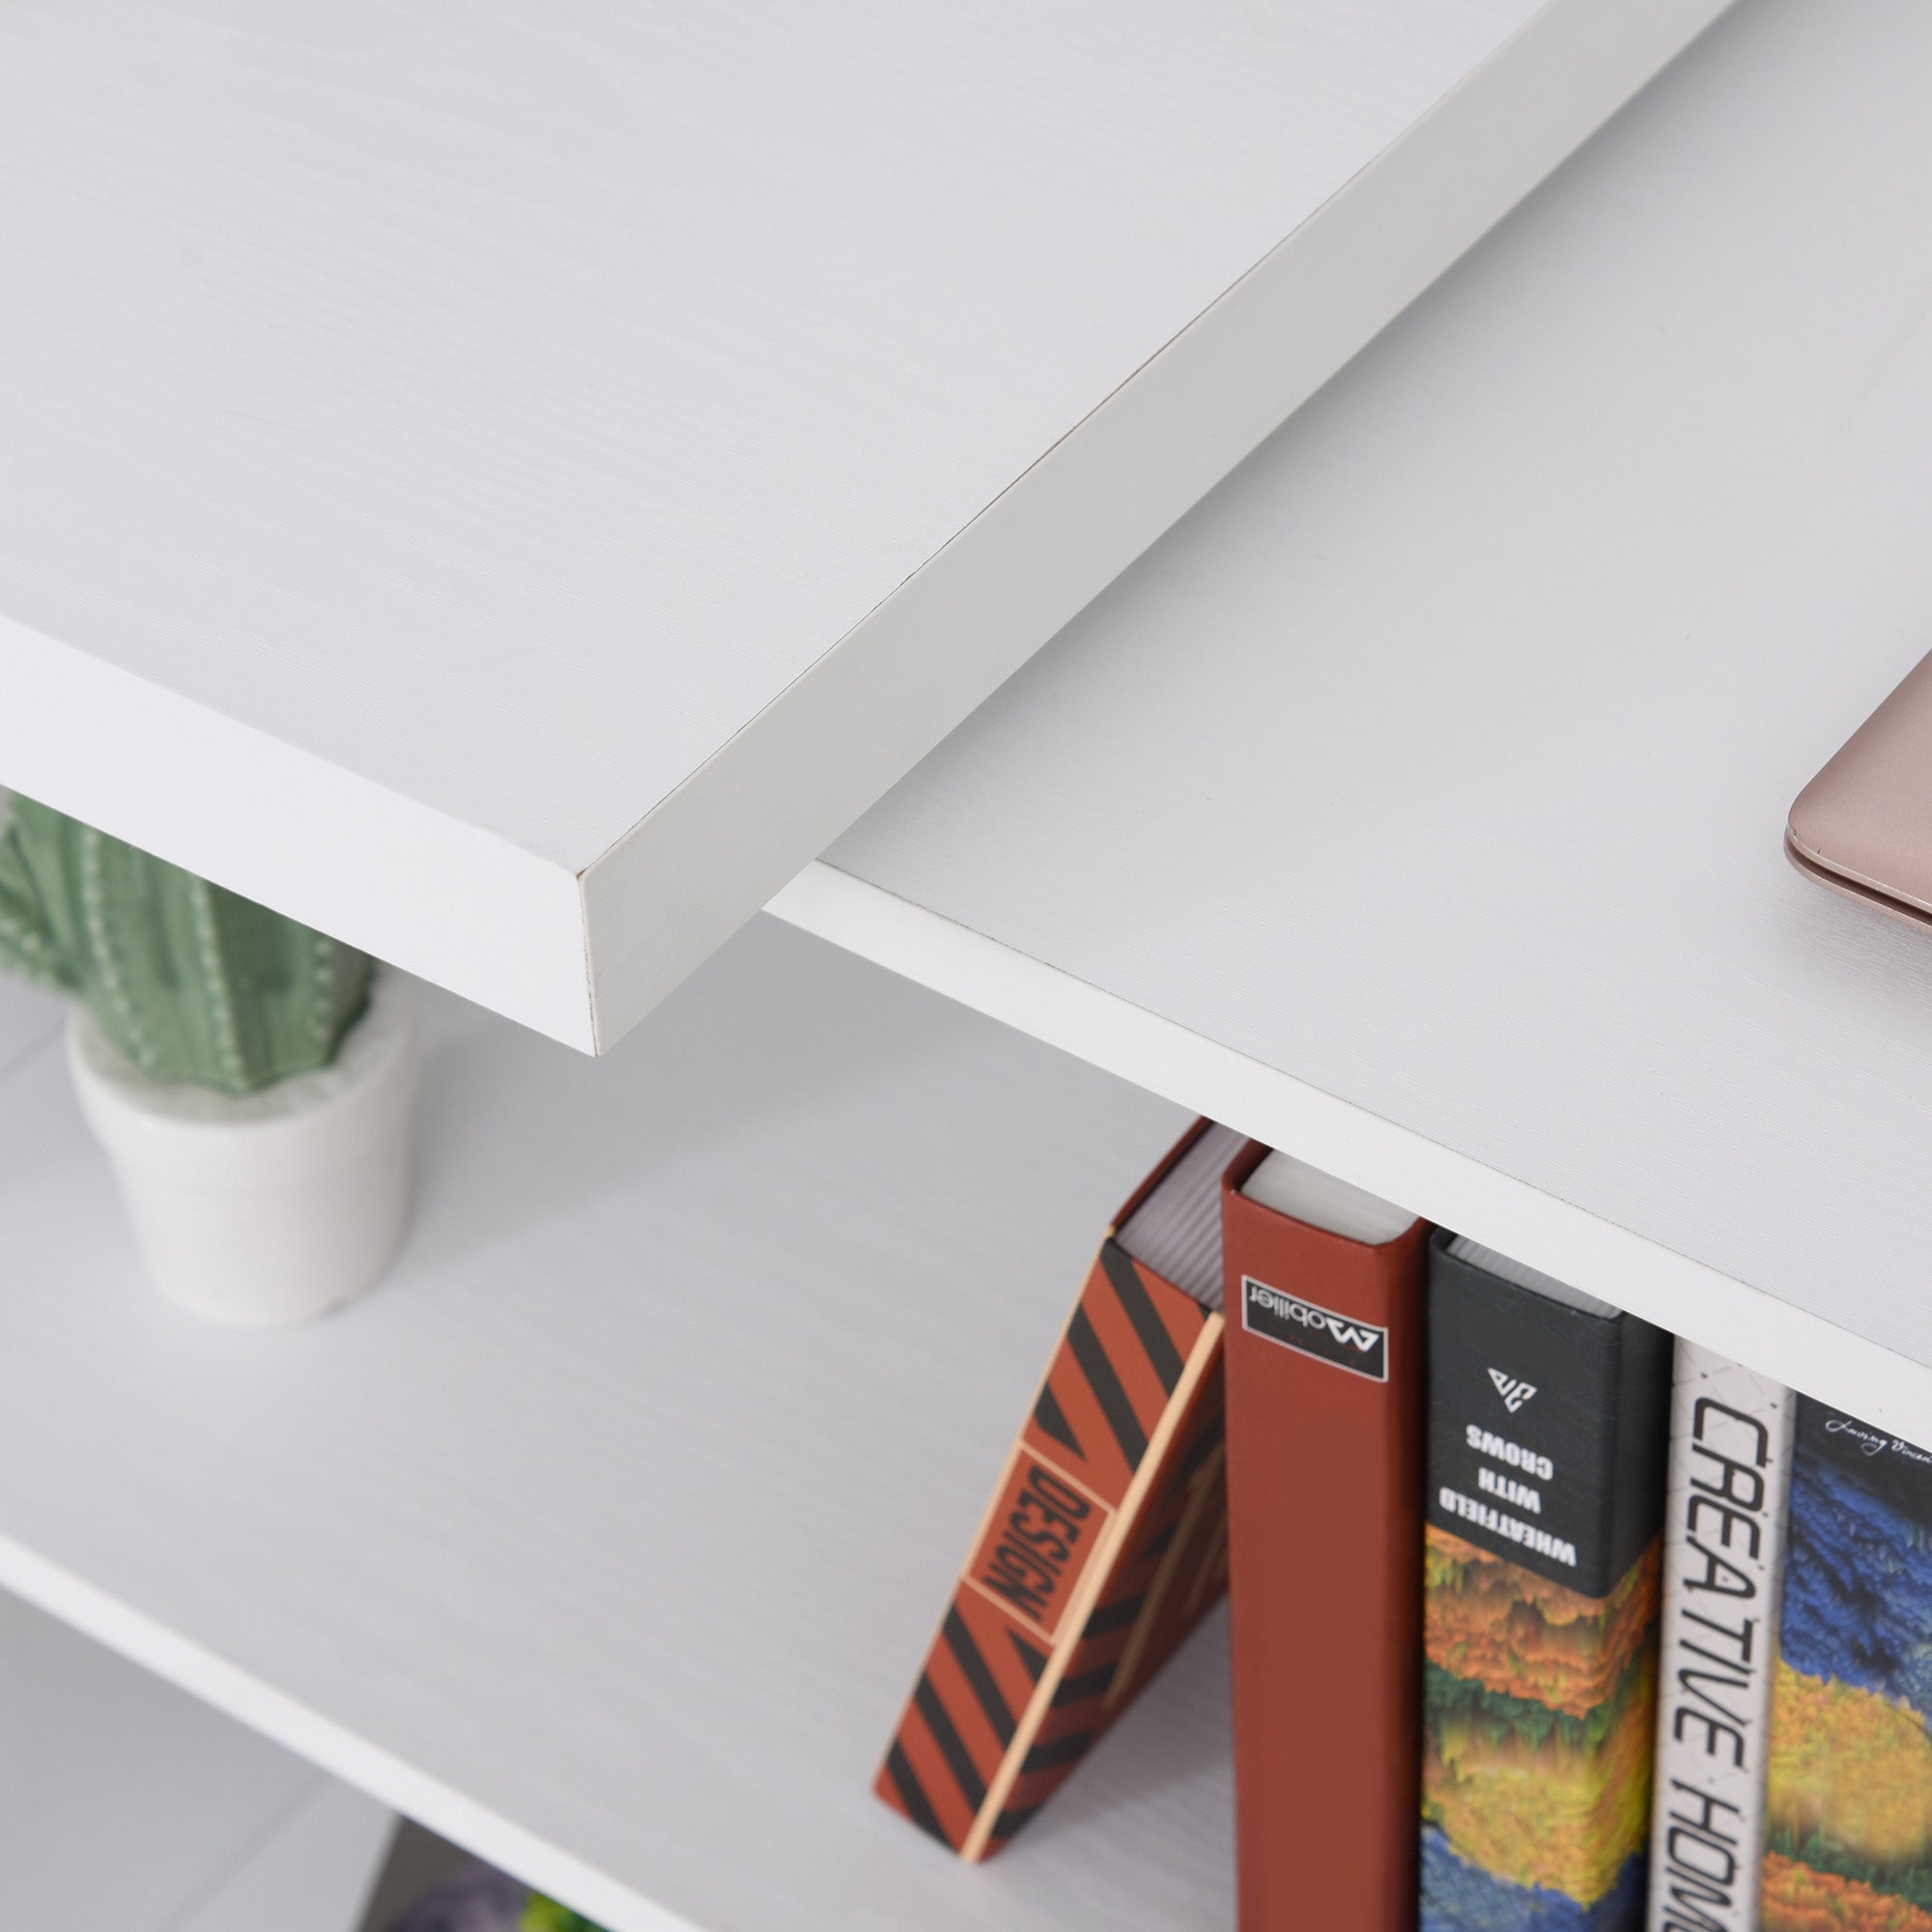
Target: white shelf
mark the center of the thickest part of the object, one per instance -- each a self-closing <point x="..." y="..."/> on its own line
<point x="606" y="1538"/>
<point x="509" y="486"/>
<point x="125" y="1806"/>
<point x="1417" y="805"/>
<point x="315" y="1873"/>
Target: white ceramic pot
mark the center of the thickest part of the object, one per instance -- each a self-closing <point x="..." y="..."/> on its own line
<point x="262" y="1208"/>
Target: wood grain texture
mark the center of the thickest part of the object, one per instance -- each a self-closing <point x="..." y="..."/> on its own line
<point x="605" y="1536"/>
<point x="431" y="442"/>
<point x="1417" y="803"/>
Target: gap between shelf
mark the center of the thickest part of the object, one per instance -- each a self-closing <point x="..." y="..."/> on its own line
<point x="1452" y="1190"/>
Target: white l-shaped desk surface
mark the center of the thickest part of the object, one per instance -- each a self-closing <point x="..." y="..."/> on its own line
<point x="1417" y="804"/>
<point x="508" y="487"/>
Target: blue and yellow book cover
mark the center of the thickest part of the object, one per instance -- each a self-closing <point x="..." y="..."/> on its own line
<point x="1547" y="1441"/>
<point x="1848" y="1801"/>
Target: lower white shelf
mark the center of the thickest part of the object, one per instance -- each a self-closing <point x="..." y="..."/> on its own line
<point x="128" y="1806"/>
<point x="604" y="1538"/>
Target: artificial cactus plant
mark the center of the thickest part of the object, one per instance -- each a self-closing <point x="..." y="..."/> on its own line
<point x="191" y="982"/>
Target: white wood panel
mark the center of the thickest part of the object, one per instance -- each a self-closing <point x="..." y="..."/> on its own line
<point x="604" y="1538"/>
<point x="1417" y="803"/>
<point x="314" y="1873"/>
<point x="128" y="1806"/>
<point x="448" y="456"/>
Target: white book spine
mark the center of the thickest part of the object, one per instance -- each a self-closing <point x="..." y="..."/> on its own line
<point x="1723" y="1545"/>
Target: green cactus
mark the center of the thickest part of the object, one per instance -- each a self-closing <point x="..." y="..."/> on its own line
<point x="190" y="981"/>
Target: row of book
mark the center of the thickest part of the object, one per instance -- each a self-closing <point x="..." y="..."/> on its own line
<point x="1542" y="1620"/>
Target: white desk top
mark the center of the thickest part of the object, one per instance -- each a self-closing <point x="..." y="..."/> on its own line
<point x="509" y="486"/>
<point x="1417" y="803"/>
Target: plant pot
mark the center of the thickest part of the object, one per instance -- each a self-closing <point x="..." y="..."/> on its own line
<point x="261" y="1209"/>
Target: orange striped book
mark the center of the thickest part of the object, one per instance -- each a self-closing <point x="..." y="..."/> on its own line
<point x="1106" y="1538"/>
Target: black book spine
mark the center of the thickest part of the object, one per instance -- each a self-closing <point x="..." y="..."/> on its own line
<point x="1548" y="1437"/>
<point x="1548" y="1426"/>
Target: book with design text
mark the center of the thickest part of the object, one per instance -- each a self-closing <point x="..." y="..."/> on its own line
<point x="1106" y="1539"/>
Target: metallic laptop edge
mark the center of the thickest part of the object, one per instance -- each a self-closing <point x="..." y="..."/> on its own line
<point x="1863" y="826"/>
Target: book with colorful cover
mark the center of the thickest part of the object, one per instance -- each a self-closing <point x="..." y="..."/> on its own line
<point x="1106" y="1539"/>
<point x="1848" y="1803"/>
<point x="1546" y="1439"/>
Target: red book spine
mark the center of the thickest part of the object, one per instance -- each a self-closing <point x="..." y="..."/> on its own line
<point x="1324" y="1356"/>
